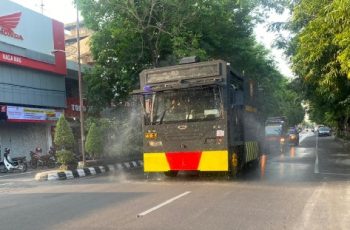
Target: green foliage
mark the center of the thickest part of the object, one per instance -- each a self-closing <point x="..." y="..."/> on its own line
<point x="105" y="125"/>
<point x="94" y="142"/>
<point x="321" y="57"/>
<point x="65" y="157"/>
<point x="134" y="35"/>
<point x="64" y="138"/>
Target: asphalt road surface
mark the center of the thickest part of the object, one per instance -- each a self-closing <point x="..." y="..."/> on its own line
<point x="307" y="187"/>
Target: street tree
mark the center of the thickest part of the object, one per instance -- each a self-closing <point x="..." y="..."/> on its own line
<point x="63" y="138"/>
<point x="94" y="142"/>
<point x="321" y="55"/>
<point x="64" y="141"/>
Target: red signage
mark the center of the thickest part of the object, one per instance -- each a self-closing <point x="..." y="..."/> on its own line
<point x="73" y="107"/>
<point x="30" y="63"/>
<point x="8" y="23"/>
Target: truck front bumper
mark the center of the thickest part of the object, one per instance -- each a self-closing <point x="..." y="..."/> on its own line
<point x="186" y="161"/>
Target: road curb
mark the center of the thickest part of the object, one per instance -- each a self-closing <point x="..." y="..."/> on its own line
<point x="87" y="171"/>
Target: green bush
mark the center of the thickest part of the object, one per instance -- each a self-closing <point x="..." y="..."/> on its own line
<point x="94" y="141"/>
<point x="65" y="157"/>
<point x="64" y="138"/>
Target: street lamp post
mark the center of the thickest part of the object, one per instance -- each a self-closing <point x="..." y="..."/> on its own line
<point x="80" y="89"/>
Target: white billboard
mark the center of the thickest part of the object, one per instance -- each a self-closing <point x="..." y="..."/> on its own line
<point x="24" y="28"/>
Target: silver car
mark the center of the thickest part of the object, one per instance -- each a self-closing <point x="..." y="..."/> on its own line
<point x="324" y="131"/>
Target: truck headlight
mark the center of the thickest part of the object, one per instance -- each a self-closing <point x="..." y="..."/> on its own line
<point x="151" y="135"/>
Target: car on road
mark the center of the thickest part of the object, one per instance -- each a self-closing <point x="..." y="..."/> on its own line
<point x="324" y="131"/>
<point x="293" y="136"/>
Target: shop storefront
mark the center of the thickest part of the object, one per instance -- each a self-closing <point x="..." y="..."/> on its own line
<point x="32" y="78"/>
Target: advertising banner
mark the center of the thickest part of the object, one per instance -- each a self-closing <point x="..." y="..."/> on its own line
<point x="26" y="114"/>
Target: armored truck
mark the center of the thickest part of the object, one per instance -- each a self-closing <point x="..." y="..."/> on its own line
<point x="198" y="116"/>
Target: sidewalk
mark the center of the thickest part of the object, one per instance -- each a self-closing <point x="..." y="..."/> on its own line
<point x="88" y="171"/>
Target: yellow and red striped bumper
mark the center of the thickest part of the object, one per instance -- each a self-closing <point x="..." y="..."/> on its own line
<point x="197" y="160"/>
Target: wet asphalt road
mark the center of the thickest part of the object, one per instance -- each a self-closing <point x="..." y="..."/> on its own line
<point x="299" y="189"/>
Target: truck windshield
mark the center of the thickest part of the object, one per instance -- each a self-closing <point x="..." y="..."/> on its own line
<point x="273" y="130"/>
<point x="192" y="104"/>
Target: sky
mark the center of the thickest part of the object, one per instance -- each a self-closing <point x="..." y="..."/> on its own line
<point x="61" y="10"/>
<point x="266" y="38"/>
<point x="64" y="11"/>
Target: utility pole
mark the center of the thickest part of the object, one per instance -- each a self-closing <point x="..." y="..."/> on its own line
<point x="80" y="89"/>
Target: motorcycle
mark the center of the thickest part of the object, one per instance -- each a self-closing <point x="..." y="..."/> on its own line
<point x="275" y="144"/>
<point x="48" y="160"/>
<point x="16" y="163"/>
<point x="283" y="145"/>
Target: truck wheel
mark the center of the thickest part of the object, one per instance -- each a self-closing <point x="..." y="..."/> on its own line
<point x="171" y="173"/>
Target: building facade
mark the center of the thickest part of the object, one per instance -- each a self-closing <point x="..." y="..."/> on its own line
<point x="33" y="73"/>
<point x="71" y="43"/>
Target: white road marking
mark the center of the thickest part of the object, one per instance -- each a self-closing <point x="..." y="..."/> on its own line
<point x="316" y="169"/>
<point x="163" y="204"/>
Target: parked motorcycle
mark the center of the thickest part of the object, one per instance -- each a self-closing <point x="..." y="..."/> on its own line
<point x="16" y="163"/>
<point x="48" y="160"/>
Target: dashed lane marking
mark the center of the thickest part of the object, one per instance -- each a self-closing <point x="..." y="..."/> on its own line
<point x="316" y="169"/>
<point x="163" y="204"/>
